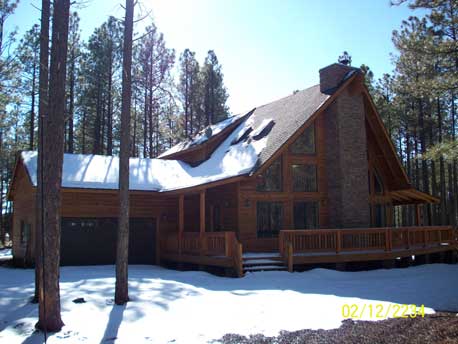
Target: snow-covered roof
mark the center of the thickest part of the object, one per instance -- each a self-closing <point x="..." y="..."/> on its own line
<point x="234" y="157"/>
<point x="251" y="143"/>
<point x="202" y="136"/>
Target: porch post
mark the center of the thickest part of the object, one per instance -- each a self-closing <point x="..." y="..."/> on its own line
<point x="417" y="215"/>
<point x="202" y="212"/>
<point x="202" y="222"/>
<point x="180" y="221"/>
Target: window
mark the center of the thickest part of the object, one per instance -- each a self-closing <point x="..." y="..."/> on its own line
<point x="25" y="232"/>
<point x="369" y="186"/>
<point x="378" y="185"/>
<point x="304" y="178"/>
<point x="271" y="179"/>
<point x="216" y="218"/>
<point x="379" y="218"/>
<point x="269" y="219"/>
<point x="306" y="215"/>
<point x="305" y="143"/>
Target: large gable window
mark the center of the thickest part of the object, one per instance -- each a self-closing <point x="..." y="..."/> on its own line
<point x="305" y="143"/>
<point x="25" y="232"/>
<point x="378" y="185"/>
<point x="304" y="178"/>
<point x="269" y="219"/>
<point x="271" y="179"/>
<point x="305" y="215"/>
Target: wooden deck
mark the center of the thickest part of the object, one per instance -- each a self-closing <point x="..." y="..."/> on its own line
<point x="299" y="247"/>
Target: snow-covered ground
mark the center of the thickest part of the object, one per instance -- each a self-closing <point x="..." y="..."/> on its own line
<point x="6" y="254"/>
<point x="195" y="307"/>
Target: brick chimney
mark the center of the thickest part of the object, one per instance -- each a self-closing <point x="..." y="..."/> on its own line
<point x="332" y="76"/>
<point x="346" y="150"/>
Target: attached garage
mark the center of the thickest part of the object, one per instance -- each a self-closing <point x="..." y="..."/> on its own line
<point x="92" y="241"/>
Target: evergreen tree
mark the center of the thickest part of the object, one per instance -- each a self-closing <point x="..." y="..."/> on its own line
<point x="73" y="56"/>
<point x="29" y="61"/>
<point x="188" y="89"/>
<point x="122" y="251"/>
<point x="155" y="62"/>
<point x="52" y="153"/>
<point x="215" y="94"/>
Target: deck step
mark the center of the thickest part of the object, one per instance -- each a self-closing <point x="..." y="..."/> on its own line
<point x="263" y="261"/>
<point x="256" y="262"/>
<point x="264" y="268"/>
<point x="261" y="255"/>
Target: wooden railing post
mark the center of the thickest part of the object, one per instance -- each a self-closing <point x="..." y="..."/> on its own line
<point x="338" y="241"/>
<point x="290" y="257"/>
<point x="280" y="243"/>
<point x="387" y="239"/>
<point x="424" y="237"/>
<point x="180" y="222"/>
<point x="203" y="244"/>
<point x="237" y="255"/>
<point x="227" y="244"/>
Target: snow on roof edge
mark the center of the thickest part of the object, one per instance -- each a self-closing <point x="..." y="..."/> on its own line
<point x="159" y="175"/>
<point x="200" y="137"/>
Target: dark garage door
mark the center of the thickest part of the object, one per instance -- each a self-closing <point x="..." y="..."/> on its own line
<point x="93" y="241"/>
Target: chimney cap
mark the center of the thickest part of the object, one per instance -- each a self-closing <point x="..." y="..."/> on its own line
<point x="332" y="76"/>
<point x="345" y="59"/>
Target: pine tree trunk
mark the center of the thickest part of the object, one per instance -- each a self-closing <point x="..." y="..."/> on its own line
<point x="453" y="187"/>
<point x="150" y="112"/>
<point x="53" y="156"/>
<point x="409" y="169"/>
<point x="83" y="134"/>
<point x="109" y="111"/>
<point x="43" y="83"/>
<point x="98" y="115"/>
<point x="103" y="125"/>
<point x="145" y="123"/>
<point x="424" y="165"/>
<point x="186" y="101"/>
<point x="32" y="107"/>
<point x="433" y="207"/>
<point x="443" y="194"/>
<point x="122" y="252"/>
<point x="2" y="227"/>
<point x="134" y="135"/>
<point x="71" y="107"/>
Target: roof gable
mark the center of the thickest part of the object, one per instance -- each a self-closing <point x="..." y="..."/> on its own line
<point x="205" y="140"/>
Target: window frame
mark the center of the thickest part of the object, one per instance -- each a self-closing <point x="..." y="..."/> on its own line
<point x="291" y="149"/>
<point x="263" y="187"/>
<point x="26" y="228"/>
<point x="306" y="166"/>
<point x="270" y="233"/>
<point x="316" y="204"/>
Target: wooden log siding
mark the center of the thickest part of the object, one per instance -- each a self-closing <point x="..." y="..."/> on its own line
<point x="365" y="240"/>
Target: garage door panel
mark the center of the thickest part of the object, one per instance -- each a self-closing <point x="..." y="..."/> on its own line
<point x="93" y="241"/>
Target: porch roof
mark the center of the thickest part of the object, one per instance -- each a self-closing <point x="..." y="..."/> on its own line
<point x="411" y="196"/>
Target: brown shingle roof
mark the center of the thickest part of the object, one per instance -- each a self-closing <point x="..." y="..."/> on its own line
<point x="289" y="114"/>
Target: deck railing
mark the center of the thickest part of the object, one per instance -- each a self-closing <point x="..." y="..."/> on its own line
<point x="366" y="239"/>
<point x="214" y="244"/>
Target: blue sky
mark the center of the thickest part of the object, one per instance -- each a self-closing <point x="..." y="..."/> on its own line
<point x="268" y="48"/>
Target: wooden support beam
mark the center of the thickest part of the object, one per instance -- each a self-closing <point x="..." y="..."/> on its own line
<point x="290" y="257"/>
<point x="417" y="215"/>
<point x="158" y="241"/>
<point x="338" y="241"/>
<point x="180" y="221"/>
<point x="203" y="244"/>
<point x="202" y="212"/>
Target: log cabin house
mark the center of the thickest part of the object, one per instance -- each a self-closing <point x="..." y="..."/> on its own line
<point x="310" y="178"/>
